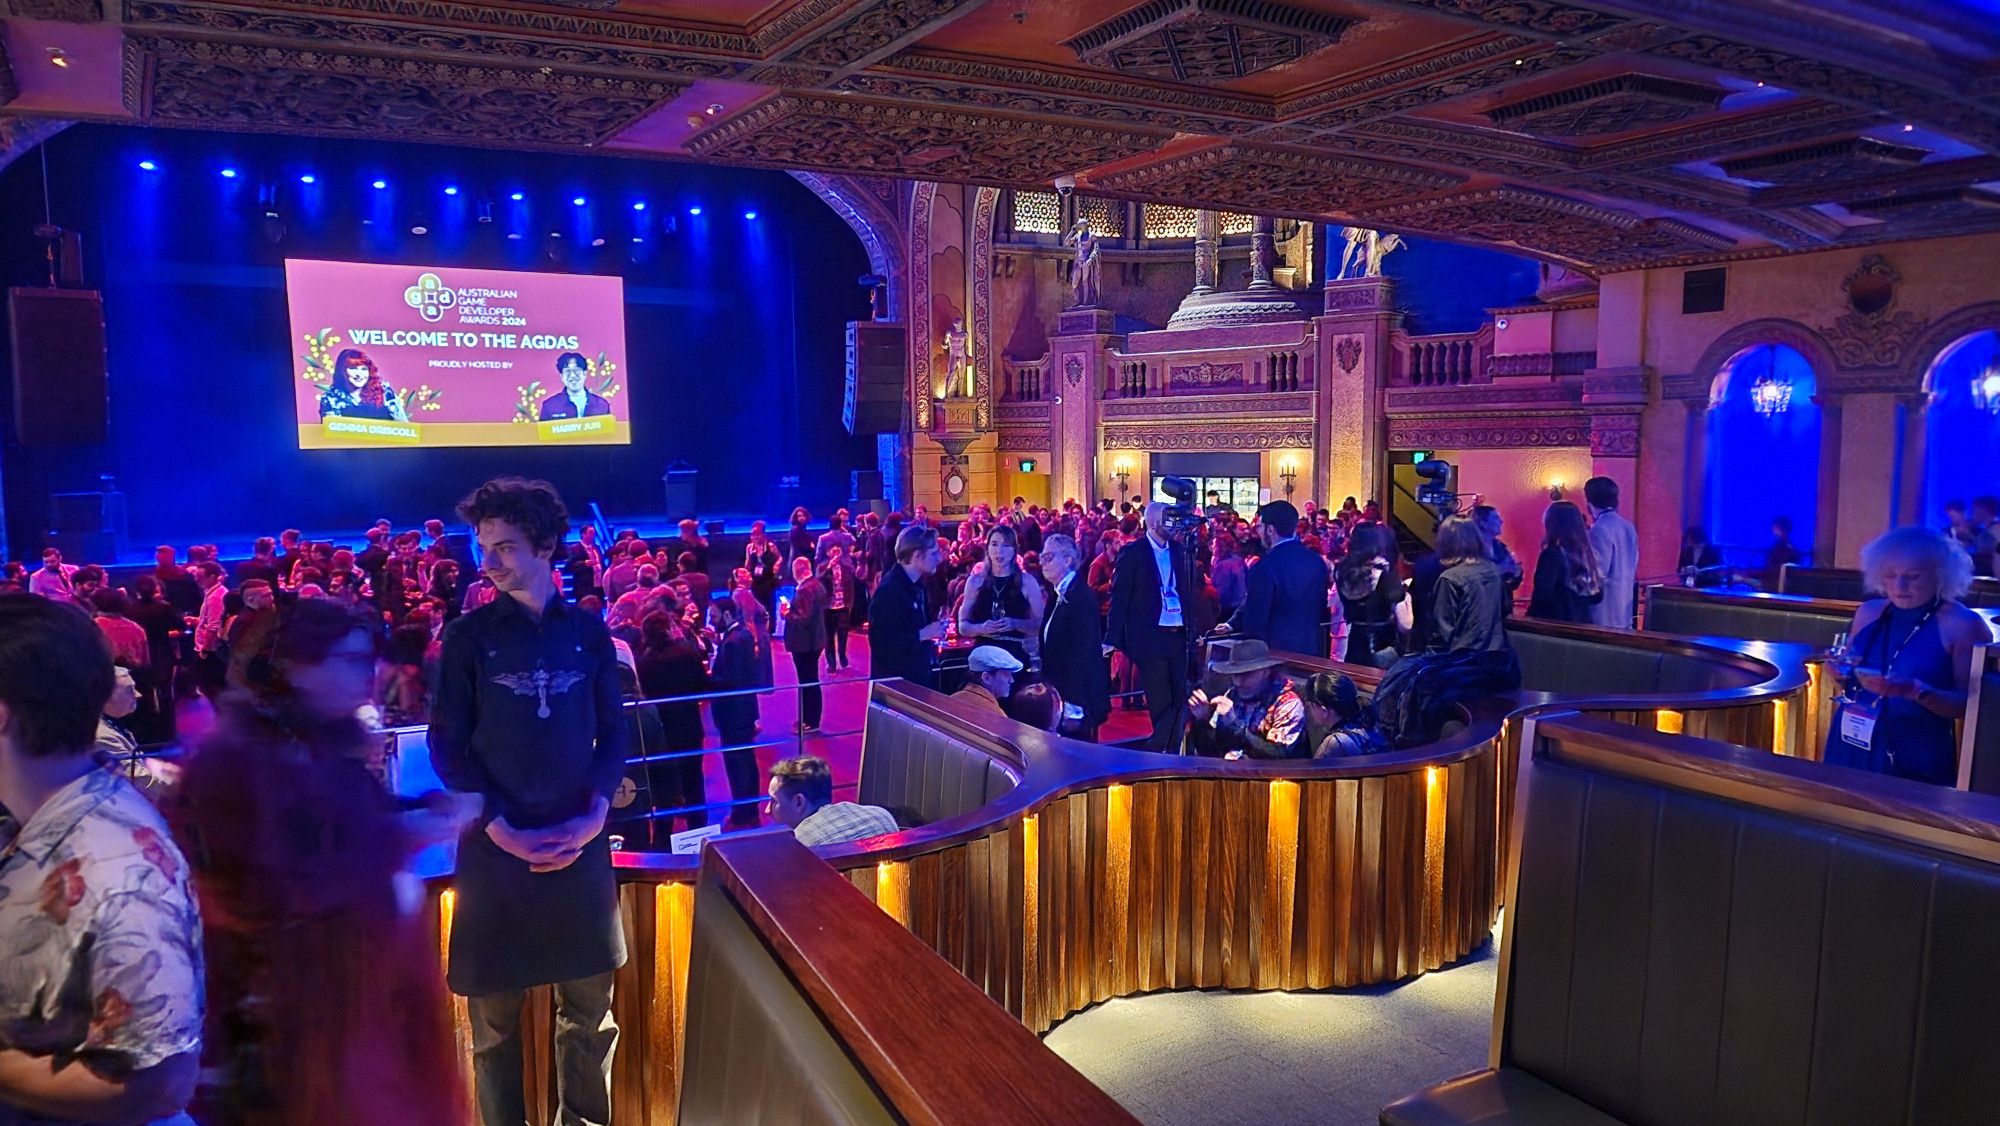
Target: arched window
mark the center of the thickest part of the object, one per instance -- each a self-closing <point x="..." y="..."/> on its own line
<point x="1763" y="452"/>
<point x="1962" y="424"/>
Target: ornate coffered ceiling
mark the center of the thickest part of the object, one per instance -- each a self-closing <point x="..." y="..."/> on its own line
<point x="1604" y="134"/>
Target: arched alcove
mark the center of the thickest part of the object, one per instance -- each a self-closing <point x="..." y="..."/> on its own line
<point x="1962" y="423"/>
<point x="1763" y="451"/>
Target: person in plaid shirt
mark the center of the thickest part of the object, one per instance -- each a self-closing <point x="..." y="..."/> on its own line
<point x="802" y="797"/>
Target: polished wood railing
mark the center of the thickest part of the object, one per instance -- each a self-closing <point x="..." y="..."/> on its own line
<point x="815" y="1006"/>
<point x="1109" y="872"/>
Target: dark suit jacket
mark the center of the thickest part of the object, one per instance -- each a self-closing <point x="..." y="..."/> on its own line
<point x="1073" y="651"/>
<point x="1134" y="624"/>
<point x="896" y="611"/>
<point x="805" y="619"/>
<point x="558" y="406"/>
<point x="1288" y="588"/>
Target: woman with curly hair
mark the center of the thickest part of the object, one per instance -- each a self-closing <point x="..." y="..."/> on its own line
<point x="325" y="1004"/>
<point x="358" y="391"/>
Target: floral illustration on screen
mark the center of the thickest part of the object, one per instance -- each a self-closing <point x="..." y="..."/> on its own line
<point x="360" y="390"/>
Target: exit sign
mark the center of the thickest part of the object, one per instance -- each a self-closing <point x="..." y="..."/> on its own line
<point x="1418" y="457"/>
<point x="1027" y="465"/>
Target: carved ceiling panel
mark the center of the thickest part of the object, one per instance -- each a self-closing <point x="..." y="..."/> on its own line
<point x="1611" y="105"/>
<point x="1844" y="158"/>
<point x="1197" y="40"/>
<point x="894" y="139"/>
<point x="1281" y="181"/>
<point x="1566" y="228"/>
<point x="175" y="81"/>
<point x="1939" y="205"/>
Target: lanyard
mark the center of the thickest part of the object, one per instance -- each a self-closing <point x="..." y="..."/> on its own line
<point x="1890" y="664"/>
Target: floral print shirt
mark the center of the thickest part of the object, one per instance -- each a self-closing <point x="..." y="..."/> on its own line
<point x="100" y="940"/>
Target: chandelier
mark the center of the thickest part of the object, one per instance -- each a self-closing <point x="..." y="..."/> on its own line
<point x="1774" y="396"/>
<point x="1986" y="389"/>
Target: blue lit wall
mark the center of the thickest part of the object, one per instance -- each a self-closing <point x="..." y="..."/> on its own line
<point x="1961" y="440"/>
<point x="1446" y="287"/>
<point x="1761" y="467"/>
<point x="734" y="324"/>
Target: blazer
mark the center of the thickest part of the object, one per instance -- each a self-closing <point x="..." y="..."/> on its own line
<point x="1073" y="651"/>
<point x="1287" y="599"/>
<point x="558" y="406"/>
<point x="805" y="619"/>
<point x="1134" y="624"/>
<point x="897" y="610"/>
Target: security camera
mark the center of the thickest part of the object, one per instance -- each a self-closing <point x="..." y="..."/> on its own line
<point x="1065" y="185"/>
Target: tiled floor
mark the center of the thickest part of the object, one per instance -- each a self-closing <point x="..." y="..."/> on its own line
<point x="1278" y="1059"/>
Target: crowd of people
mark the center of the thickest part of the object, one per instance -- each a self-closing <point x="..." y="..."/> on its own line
<point x="219" y="909"/>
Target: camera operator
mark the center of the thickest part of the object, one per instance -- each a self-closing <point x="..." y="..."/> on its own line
<point x="1152" y="591"/>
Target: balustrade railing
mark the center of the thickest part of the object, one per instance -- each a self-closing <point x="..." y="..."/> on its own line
<point x="1024" y="381"/>
<point x="1455" y="360"/>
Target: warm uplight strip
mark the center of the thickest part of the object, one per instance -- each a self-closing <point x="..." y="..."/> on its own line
<point x="1281" y="860"/>
<point x="673" y="936"/>
<point x="1436" y="806"/>
<point x="1781" y="727"/>
<point x="1669" y="722"/>
<point x="1118" y="886"/>
<point x="1032" y="982"/>
<point x="447" y="907"/>
<point x="892" y="890"/>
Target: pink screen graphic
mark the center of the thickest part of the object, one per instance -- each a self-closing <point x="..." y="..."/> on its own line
<point x="389" y="356"/>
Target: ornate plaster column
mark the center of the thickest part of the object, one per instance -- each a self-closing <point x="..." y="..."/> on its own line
<point x="1355" y="350"/>
<point x="1263" y="252"/>
<point x="1827" y="548"/>
<point x="1914" y="409"/>
<point x="1080" y="368"/>
<point x="1207" y="238"/>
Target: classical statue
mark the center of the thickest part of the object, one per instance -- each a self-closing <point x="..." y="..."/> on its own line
<point x="1083" y="274"/>
<point x="1364" y="252"/>
<point x="957" y="348"/>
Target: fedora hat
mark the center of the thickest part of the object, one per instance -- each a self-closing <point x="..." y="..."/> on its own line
<point x="1247" y="656"/>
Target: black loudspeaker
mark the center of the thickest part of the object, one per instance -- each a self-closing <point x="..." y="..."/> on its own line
<point x="867" y="484"/>
<point x="58" y="366"/>
<point x="877" y="369"/>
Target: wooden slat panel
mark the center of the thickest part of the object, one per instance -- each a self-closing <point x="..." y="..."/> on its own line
<point x="1014" y="900"/>
<point x="1252" y="808"/>
<point x="980" y="902"/>
<point x="1198" y="922"/>
<point x="1081" y="937"/>
<point x="1399" y="884"/>
<point x="1174" y="852"/>
<point x="953" y="912"/>
<point x="1148" y="935"/>
<point x="1343" y="886"/>
<point x="1373" y="796"/>
<point x="1053" y="995"/>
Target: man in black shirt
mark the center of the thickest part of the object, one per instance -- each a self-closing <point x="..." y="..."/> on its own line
<point x="528" y="716"/>
<point x="900" y="623"/>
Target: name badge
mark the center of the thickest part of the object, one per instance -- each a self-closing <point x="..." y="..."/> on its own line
<point x="1857" y="725"/>
<point x="1170" y="603"/>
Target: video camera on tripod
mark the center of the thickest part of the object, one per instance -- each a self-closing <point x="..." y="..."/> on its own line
<point x="1183" y="519"/>
<point x="1435" y="493"/>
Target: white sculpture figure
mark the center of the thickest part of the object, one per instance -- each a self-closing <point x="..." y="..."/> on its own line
<point x="958" y="362"/>
<point x="1365" y="250"/>
<point x="1083" y="275"/>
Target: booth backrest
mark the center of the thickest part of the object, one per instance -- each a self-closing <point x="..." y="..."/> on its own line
<point x="1979" y="750"/>
<point x="1671" y="609"/>
<point x="755" y="1050"/>
<point x="922" y="772"/>
<point x="1552" y="663"/>
<point x="1680" y="956"/>
<point x="1839" y="582"/>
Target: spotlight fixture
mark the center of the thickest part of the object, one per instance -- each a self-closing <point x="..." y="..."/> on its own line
<point x="1909" y="128"/>
<point x="420" y="229"/>
<point x="579" y="201"/>
<point x="694" y="211"/>
<point x="308" y="178"/>
<point x="148" y="166"/>
<point x="714" y="108"/>
<point x="597" y="242"/>
<point x="637" y="238"/>
<point x="379" y="185"/>
<point x="639" y="206"/>
<point x="749" y="214"/>
<point x="229" y="173"/>
<point x="452" y="190"/>
<point x="515" y="235"/>
<point x="58" y="58"/>
<point x="518" y="197"/>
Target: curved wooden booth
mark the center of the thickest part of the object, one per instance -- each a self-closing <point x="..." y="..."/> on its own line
<point x="1053" y="874"/>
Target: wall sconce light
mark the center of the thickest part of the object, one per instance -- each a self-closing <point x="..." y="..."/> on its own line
<point x="1121" y="471"/>
<point x="1555" y="490"/>
<point x="1288" y="472"/>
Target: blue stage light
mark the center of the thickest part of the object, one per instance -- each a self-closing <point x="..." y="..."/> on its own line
<point x="639" y="206"/>
<point x="148" y="166"/>
<point x="451" y="191"/>
<point x="518" y="196"/>
<point x="380" y="184"/>
<point x="308" y="178"/>
<point x="694" y="211"/>
<point x="229" y="173"/>
<point x="749" y="214"/>
<point x="578" y="201"/>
